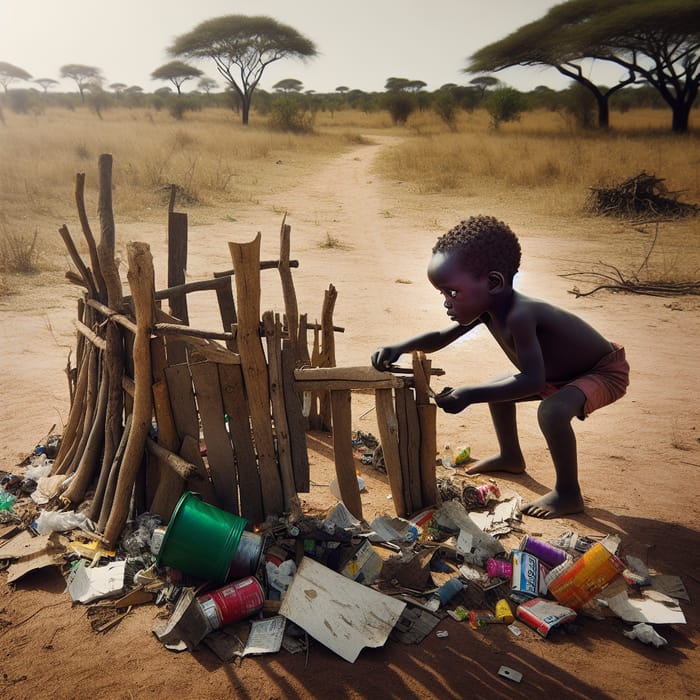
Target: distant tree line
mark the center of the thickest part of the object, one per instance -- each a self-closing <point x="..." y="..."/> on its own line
<point x="655" y="42"/>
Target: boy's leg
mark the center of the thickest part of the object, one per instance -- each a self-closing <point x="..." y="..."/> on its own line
<point x="511" y="457"/>
<point x="555" y="414"/>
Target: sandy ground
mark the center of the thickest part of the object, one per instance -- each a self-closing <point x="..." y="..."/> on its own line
<point x="639" y="458"/>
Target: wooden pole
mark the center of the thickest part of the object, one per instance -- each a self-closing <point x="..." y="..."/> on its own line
<point x="141" y="281"/>
<point x="389" y="437"/>
<point x="246" y="263"/>
<point x="342" y="452"/>
<point x="273" y="334"/>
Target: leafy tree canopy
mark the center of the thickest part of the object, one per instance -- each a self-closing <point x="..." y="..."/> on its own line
<point x="10" y="72"/>
<point x="288" y="85"/>
<point x="177" y="72"/>
<point x="241" y="48"/>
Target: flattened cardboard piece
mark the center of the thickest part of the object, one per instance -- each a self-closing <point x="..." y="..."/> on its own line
<point x="265" y="636"/>
<point x="28" y="564"/>
<point x="654" y="607"/>
<point x="414" y="625"/>
<point x="26" y="545"/>
<point x="672" y="586"/>
<point x="187" y="626"/>
<point x="340" y="613"/>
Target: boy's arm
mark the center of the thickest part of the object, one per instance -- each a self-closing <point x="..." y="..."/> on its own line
<point x="529" y="381"/>
<point x="386" y="356"/>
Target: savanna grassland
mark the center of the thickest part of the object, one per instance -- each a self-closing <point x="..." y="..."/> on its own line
<point x="543" y="160"/>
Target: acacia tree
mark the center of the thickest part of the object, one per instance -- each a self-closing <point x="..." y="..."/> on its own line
<point x="84" y="76"/>
<point x="288" y="85"/>
<point x="46" y="83"/>
<point x="10" y="73"/>
<point x="657" y="41"/>
<point x="177" y="72"/>
<point x="241" y="48"/>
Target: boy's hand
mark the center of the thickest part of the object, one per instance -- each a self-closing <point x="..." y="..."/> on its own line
<point x="453" y="400"/>
<point x="383" y="358"/>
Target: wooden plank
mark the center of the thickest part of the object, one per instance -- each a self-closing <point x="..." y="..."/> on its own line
<point x="236" y="407"/>
<point x="360" y="376"/>
<point x="205" y="377"/>
<point x="427" y="416"/>
<point x="246" y="262"/>
<point x="296" y="421"/>
<point x="400" y="402"/>
<point x="342" y="452"/>
<point x="202" y="484"/>
<point x="227" y="311"/>
<point x="273" y="335"/>
<point x="291" y="306"/>
<point x="412" y="439"/>
<point x="184" y="409"/>
<point x="389" y="437"/>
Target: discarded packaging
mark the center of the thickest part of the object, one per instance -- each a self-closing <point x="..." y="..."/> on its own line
<point x="86" y="584"/>
<point x="340" y="613"/>
<point x="543" y="615"/>
<point x="574" y="583"/>
<point x="526" y="574"/>
<point x="647" y="634"/>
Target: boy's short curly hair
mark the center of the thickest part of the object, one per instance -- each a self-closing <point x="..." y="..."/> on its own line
<point x="483" y="244"/>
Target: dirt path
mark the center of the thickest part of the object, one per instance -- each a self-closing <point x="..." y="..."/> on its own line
<point x="639" y="458"/>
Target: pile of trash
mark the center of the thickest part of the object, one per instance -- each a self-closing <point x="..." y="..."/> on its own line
<point x="329" y="578"/>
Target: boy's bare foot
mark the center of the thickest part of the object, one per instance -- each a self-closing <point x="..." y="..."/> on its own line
<point x="497" y="463"/>
<point x="554" y="505"/>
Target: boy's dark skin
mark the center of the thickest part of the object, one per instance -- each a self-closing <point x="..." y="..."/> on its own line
<point x="544" y="342"/>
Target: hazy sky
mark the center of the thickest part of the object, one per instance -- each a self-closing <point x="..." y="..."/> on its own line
<point x="361" y="43"/>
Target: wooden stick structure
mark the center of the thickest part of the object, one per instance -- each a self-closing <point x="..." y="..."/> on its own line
<point x="159" y="407"/>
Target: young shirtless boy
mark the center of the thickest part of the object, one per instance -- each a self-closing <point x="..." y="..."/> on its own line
<point x="560" y="359"/>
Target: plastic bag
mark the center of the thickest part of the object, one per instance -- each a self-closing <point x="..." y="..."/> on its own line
<point x="57" y="521"/>
<point x="647" y="634"/>
<point x="7" y="500"/>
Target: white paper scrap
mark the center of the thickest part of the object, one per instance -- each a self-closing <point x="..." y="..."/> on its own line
<point x="265" y="636"/>
<point x="88" y="584"/>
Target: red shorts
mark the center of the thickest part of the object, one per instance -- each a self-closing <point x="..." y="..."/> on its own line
<point x="606" y="382"/>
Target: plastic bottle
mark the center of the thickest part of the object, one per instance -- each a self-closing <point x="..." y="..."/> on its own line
<point x="7" y="499"/>
<point x="446" y="593"/>
<point x="498" y="568"/>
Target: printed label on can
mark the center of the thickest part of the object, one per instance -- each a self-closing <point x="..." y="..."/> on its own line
<point x="525" y="574"/>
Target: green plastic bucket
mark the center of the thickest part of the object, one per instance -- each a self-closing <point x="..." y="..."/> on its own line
<point x="201" y="539"/>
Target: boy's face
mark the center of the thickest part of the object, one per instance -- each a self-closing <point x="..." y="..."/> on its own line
<point x="466" y="295"/>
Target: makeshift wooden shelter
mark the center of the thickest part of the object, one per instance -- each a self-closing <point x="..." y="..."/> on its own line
<point x="159" y="407"/>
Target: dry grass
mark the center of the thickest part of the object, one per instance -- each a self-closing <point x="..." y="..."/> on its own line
<point x="542" y="156"/>
<point x="215" y="162"/>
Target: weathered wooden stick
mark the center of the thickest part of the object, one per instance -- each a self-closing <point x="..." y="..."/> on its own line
<point x="327" y="356"/>
<point x="389" y="438"/>
<point x="361" y="375"/>
<point x="115" y="316"/>
<point x="183" y="468"/>
<point x="295" y="420"/>
<point x="342" y="452"/>
<point x="75" y="278"/>
<point x="291" y="307"/>
<point x="106" y="247"/>
<point x="168" y="486"/>
<point x="200" y="481"/>
<point x="91" y="391"/>
<point x="264" y="265"/>
<point x="246" y="257"/>
<point x="71" y="431"/>
<point x="85" y="274"/>
<point x="111" y="486"/>
<point x="427" y="419"/>
<point x="87" y="234"/>
<point x="273" y="334"/>
<point x="404" y="457"/>
<point x="412" y="438"/>
<point x="178" y="330"/>
<point x="91" y="456"/>
<point x="95" y="339"/>
<point x="141" y="281"/>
